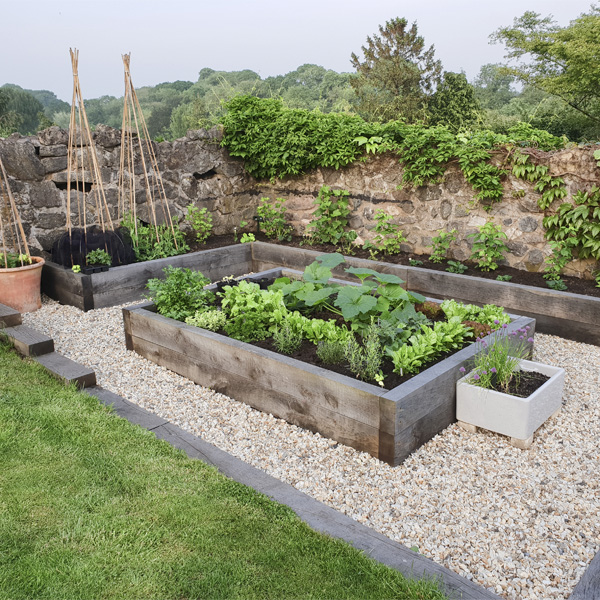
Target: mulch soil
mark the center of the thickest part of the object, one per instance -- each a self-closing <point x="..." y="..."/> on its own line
<point x="574" y="284"/>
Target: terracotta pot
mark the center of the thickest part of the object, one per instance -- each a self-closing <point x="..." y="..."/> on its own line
<point x="20" y="287"/>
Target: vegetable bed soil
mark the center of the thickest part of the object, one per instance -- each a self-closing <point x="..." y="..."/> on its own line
<point x="388" y="424"/>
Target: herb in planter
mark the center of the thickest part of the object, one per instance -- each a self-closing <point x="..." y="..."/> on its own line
<point x="251" y="312"/>
<point x="212" y="319"/>
<point x="11" y="260"/>
<point x="98" y="257"/>
<point x="286" y="338"/>
<point x="272" y="219"/>
<point x="238" y="229"/>
<point x="414" y="262"/>
<point x="332" y="352"/>
<point x="365" y="360"/>
<point x="388" y="236"/>
<point x="495" y="366"/>
<point x="330" y="219"/>
<point x="562" y="254"/>
<point x="424" y="346"/>
<point x="488" y="314"/>
<point x="557" y="284"/>
<point x="441" y="245"/>
<point x="247" y="237"/>
<point x="488" y="246"/>
<point x="504" y="278"/>
<point x="201" y="221"/>
<point x="150" y="242"/>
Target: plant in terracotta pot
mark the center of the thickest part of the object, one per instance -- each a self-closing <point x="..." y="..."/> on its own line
<point x="506" y="393"/>
<point x="20" y="273"/>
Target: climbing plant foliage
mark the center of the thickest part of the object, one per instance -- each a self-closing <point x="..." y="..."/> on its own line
<point x="277" y="142"/>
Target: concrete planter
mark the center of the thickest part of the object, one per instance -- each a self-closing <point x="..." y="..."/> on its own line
<point x="20" y="287"/>
<point x="509" y="415"/>
<point x="388" y="424"/>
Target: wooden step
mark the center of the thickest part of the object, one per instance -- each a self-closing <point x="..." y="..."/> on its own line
<point x="9" y="317"/>
<point x="67" y="370"/>
<point x="29" y="342"/>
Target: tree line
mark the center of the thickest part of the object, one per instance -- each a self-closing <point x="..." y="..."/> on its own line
<point x="551" y="80"/>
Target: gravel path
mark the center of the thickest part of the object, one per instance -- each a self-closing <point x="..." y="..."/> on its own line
<point x="523" y="523"/>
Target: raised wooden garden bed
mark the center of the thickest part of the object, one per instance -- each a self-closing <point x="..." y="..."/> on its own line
<point x="572" y="316"/>
<point x="388" y="424"/>
<point x="127" y="283"/>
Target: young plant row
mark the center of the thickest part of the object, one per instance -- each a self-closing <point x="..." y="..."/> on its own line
<point x="357" y="325"/>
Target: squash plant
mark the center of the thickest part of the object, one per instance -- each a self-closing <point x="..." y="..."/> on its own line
<point x="379" y="315"/>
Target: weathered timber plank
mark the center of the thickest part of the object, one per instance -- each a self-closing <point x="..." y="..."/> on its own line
<point x="127" y="283"/>
<point x="67" y="287"/>
<point x="512" y="296"/>
<point x="29" y="342"/>
<point x="588" y="333"/>
<point x="301" y="412"/>
<point x="311" y="384"/>
<point x="421" y="430"/>
<point x="9" y="317"/>
<point x="67" y="370"/>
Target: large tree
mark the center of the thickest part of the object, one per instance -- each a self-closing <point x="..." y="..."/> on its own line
<point x="398" y="74"/>
<point x="493" y="87"/>
<point x="23" y="108"/>
<point x="562" y="61"/>
<point x="454" y="103"/>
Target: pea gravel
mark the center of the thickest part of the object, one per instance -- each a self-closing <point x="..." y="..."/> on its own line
<point x="522" y="523"/>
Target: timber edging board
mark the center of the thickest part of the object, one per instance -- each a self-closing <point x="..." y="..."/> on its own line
<point x="388" y="424"/>
<point x="572" y="316"/>
<point x="127" y="283"/>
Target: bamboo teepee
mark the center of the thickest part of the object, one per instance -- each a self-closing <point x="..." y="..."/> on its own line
<point x="12" y="236"/>
<point x="83" y="164"/>
<point x="89" y="225"/>
<point x="136" y="142"/>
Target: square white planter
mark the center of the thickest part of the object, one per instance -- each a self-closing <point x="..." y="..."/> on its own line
<point x="510" y="415"/>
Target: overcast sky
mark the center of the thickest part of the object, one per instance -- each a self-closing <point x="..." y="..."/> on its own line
<point x="174" y="39"/>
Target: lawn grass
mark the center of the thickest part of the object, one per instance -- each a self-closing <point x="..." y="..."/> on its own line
<point x="94" y="507"/>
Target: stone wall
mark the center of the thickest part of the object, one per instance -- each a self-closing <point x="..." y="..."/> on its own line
<point x="195" y="169"/>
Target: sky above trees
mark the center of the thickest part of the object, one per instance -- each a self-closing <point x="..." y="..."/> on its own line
<point x="172" y="40"/>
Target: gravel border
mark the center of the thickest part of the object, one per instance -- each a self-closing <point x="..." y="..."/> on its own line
<point x="523" y="524"/>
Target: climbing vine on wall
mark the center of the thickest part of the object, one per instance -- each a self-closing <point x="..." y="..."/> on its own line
<point x="277" y="142"/>
<point x="580" y="223"/>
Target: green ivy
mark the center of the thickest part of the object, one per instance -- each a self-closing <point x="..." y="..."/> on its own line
<point x="330" y="219"/>
<point x="579" y="222"/>
<point x="275" y="141"/>
<point x="551" y="188"/>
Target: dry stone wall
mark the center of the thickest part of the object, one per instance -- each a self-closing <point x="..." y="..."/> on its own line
<point x="196" y="169"/>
